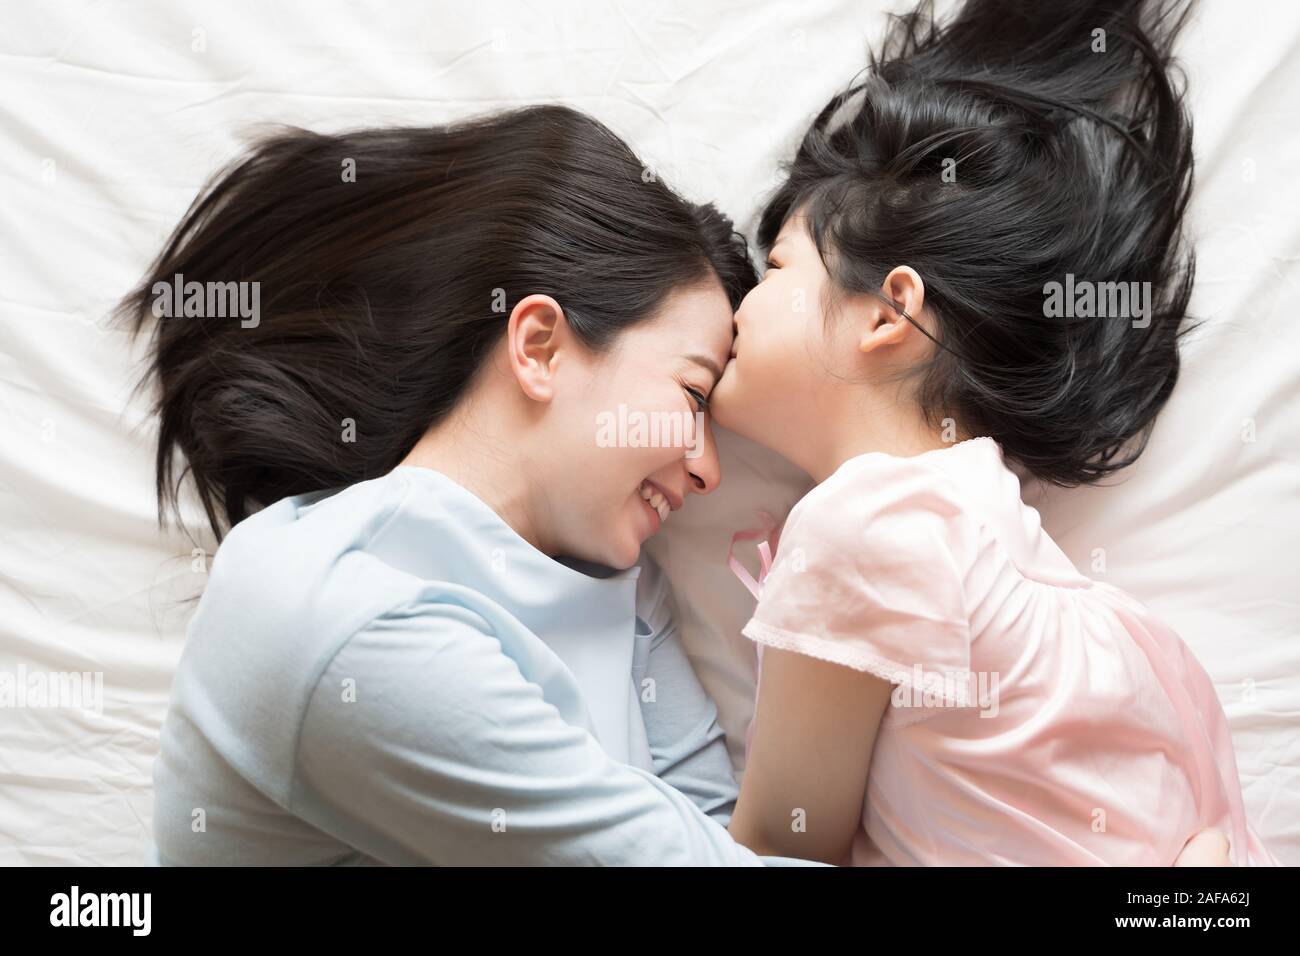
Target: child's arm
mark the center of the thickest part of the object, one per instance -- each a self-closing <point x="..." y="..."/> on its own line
<point x="1206" y="848"/>
<point x="815" y="729"/>
<point x="806" y="775"/>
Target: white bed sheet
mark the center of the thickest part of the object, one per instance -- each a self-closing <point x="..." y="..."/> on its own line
<point x="115" y="113"/>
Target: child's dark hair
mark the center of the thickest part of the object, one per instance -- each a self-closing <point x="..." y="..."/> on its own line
<point x="380" y="294"/>
<point x="1068" y="150"/>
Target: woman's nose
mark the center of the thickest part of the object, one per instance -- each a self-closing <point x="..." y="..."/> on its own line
<point x="704" y="470"/>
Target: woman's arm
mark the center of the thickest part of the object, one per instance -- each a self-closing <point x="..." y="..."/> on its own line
<point x="806" y="776"/>
<point x="687" y="746"/>
<point x="444" y="753"/>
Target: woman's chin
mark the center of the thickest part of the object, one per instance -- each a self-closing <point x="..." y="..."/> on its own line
<point x="610" y="554"/>
<point x="623" y="556"/>
<point x="624" y="550"/>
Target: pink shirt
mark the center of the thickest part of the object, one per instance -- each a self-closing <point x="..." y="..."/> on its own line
<point x="1038" y="717"/>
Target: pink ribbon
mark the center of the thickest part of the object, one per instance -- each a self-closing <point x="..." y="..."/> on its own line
<point x="769" y="535"/>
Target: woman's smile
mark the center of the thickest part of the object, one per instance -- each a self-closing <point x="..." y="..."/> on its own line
<point x="658" y="502"/>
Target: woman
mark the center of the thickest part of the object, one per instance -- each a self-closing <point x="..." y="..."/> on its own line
<point x="389" y="664"/>
<point x="400" y="672"/>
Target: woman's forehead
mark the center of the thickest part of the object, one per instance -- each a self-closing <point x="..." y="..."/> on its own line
<point x="694" y="324"/>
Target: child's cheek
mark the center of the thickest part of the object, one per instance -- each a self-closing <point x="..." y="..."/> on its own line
<point x="790" y="328"/>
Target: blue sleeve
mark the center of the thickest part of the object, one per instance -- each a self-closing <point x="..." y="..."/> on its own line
<point x="687" y="745"/>
<point x="423" y="743"/>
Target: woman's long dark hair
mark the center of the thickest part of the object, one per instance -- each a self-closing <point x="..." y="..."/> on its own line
<point x="388" y="262"/>
<point x="1068" y="153"/>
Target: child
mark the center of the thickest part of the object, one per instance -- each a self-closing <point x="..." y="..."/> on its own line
<point x="939" y="684"/>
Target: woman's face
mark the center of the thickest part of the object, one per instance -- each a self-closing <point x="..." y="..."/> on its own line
<point x="632" y="429"/>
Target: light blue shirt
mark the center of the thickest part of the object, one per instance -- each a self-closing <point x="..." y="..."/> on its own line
<point x="390" y="674"/>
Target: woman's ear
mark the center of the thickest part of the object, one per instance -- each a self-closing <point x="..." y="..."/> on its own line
<point x="533" y="337"/>
<point x="886" y="324"/>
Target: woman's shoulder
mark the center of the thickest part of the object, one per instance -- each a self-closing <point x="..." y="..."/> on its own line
<point x="304" y="551"/>
<point x="291" y="583"/>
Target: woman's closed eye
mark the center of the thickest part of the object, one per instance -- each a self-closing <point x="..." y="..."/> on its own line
<point x="701" y="403"/>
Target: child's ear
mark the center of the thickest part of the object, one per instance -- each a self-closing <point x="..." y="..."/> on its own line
<point x="886" y="324"/>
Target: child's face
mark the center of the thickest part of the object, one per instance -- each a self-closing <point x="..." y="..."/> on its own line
<point x="784" y="357"/>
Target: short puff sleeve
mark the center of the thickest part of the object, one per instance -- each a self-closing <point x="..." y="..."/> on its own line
<point x="870" y="572"/>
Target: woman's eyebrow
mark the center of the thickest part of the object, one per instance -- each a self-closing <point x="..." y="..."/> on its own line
<point x="705" y="362"/>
